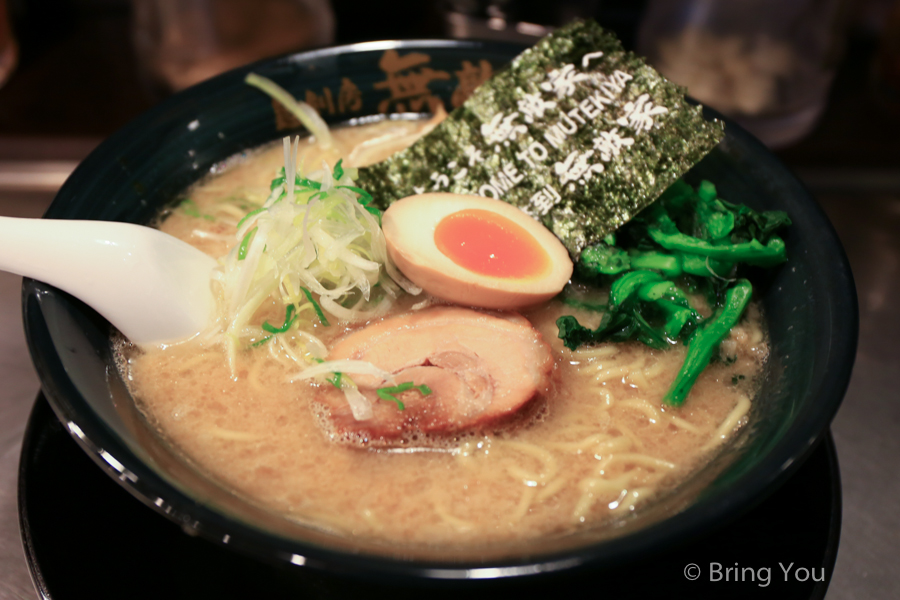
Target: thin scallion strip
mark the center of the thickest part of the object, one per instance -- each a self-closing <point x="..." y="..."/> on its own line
<point x="387" y="393"/>
<point x="338" y="170"/>
<point x="261" y="341"/>
<point x="336" y="380"/>
<point x="316" y="306"/>
<point x="250" y="214"/>
<point x="190" y="207"/>
<point x="309" y="183"/>
<point x="245" y="243"/>
<point x="336" y="377"/>
<point x="289" y="318"/>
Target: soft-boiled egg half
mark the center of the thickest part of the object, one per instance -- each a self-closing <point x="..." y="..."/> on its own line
<point x="475" y="251"/>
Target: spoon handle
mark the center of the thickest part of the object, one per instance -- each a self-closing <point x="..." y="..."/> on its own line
<point x="153" y="287"/>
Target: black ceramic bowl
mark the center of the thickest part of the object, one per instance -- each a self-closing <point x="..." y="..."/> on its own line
<point x="810" y="303"/>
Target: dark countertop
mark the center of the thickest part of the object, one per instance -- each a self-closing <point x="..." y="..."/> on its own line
<point x="53" y="111"/>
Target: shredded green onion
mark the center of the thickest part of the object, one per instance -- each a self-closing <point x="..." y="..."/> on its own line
<point x="336" y="380"/>
<point x="191" y="209"/>
<point x="387" y="393"/>
<point x="249" y="215"/>
<point x="314" y="243"/>
<point x="289" y="319"/>
<point x="316" y="307"/>
<point x="245" y="243"/>
<point x="261" y="341"/>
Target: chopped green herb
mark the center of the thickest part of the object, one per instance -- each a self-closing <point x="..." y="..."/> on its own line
<point x="308" y="183"/>
<point x="190" y="208"/>
<point x="250" y="214"/>
<point x="245" y="243"/>
<point x="262" y="341"/>
<point x="387" y="393"/>
<point x="338" y="170"/>
<point x="289" y="318"/>
<point x="316" y="307"/>
<point x="335" y="380"/>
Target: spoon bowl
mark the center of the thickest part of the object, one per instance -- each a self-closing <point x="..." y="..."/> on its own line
<point x="152" y="287"/>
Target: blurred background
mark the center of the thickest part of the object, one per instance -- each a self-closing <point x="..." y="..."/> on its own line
<point x="816" y="80"/>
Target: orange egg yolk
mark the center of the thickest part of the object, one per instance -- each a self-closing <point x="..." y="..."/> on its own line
<point x="487" y="243"/>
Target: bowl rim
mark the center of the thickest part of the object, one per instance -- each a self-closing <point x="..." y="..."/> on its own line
<point x="109" y="451"/>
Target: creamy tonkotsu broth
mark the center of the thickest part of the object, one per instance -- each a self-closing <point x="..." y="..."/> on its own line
<point x="595" y="445"/>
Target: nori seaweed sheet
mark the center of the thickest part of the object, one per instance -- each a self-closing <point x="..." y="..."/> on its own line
<point x="580" y="212"/>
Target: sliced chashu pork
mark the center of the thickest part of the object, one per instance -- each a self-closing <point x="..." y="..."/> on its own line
<point x="481" y="368"/>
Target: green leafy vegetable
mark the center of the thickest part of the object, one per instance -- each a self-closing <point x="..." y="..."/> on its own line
<point x="706" y="341"/>
<point x="688" y="240"/>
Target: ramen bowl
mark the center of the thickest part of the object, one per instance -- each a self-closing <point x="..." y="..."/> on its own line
<point x="809" y="302"/>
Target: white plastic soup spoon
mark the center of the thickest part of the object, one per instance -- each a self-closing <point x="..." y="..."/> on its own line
<point x="153" y="287"/>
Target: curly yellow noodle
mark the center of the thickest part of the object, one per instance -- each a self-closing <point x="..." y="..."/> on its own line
<point x="618" y="444"/>
<point x="642" y="406"/>
<point x="551" y="488"/>
<point x="523" y="506"/>
<point x="579" y="446"/>
<point x="230" y="209"/>
<point x="655" y="370"/>
<point x="643" y="460"/>
<point x="630" y="435"/>
<point x="733" y="419"/>
<point x="596" y="352"/>
<point x="518" y="473"/>
<point x="592" y="487"/>
<point x="547" y="460"/>
<point x="637" y="379"/>
<point x="231" y="435"/>
<point x="460" y="525"/>
<point x="618" y="372"/>
<point x="681" y="423"/>
<point x="635" y="495"/>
